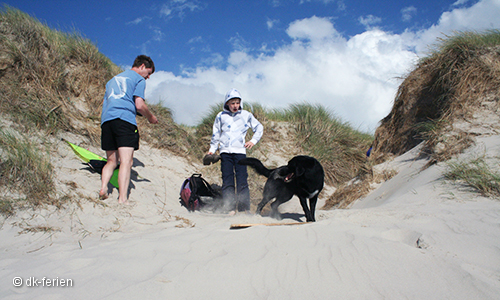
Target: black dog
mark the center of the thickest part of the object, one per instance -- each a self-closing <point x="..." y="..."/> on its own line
<point x="303" y="176"/>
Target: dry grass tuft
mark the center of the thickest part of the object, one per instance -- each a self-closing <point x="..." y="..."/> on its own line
<point x="40" y="228"/>
<point x="25" y="169"/>
<point x="475" y="174"/>
<point x="168" y="135"/>
<point x="7" y="208"/>
<point x="357" y="188"/>
<point x="185" y="223"/>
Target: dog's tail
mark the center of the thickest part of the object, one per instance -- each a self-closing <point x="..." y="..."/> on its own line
<point x="257" y="165"/>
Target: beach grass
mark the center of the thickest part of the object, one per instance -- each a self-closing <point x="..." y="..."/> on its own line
<point x="25" y="170"/>
<point x="476" y="174"/>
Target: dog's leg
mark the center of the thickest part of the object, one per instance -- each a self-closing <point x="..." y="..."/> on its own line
<point x="307" y="212"/>
<point x="274" y="208"/>
<point x="284" y="196"/>
<point x="267" y="197"/>
<point x="270" y="192"/>
<point x="275" y="213"/>
<point x="261" y="205"/>
<point x="312" y="207"/>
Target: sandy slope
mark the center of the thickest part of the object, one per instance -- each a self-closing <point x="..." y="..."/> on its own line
<point x="415" y="237"/>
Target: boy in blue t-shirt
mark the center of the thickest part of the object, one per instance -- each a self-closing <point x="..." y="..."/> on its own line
<point x="124" y="99"/>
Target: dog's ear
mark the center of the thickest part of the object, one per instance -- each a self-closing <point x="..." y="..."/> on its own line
<point x="299" y="171"/>
<point x="281" y="172"/>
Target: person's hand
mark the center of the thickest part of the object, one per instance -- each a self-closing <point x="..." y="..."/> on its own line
<point x="249" y="145"/>
<point x="153" y="119"/>
<point x="210" y="153"/>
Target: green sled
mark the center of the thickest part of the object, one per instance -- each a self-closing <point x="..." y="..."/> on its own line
<point x="87" y="156"/>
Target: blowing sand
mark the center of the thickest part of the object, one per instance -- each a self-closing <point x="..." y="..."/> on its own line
<point x="416" y="236"/>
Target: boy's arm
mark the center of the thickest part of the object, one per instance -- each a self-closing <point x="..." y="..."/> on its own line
<point x="257" y="128"/>
<point x="216" y="132"/>
<point x="143" y="109"/>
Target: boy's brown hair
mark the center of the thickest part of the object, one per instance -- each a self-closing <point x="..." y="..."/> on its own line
<point x="146" y="60"/>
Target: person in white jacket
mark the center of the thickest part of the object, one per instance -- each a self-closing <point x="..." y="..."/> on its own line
<point x="229" y="132"/>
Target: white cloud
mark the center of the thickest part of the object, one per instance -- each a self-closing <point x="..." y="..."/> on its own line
<point x="180" y="7"/>
<point x="239" y="43"/>
<point x="139" y="20"/>
<point x="341" y="6"/>
<point x="275" y="3"/>
<point x="270" y="23"/>
<point x="324" y="1"/>
<point x="460" y="2"/>
<point x="157" y="34"/>
<point x="479" y="17"/>
<point x="313" y="28"/>
<point x="355" y="77"/>
<point x="407" y="13"/>
<point x="369" y="21"/>
<point x="197" y="39"/>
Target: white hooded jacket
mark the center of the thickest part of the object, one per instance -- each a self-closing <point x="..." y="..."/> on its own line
<point x="230" y="129"/>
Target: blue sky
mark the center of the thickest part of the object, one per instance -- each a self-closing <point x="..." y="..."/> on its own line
<point x="348" y="56"/>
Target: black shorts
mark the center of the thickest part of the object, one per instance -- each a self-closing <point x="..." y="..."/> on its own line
<point x="118" y="133"/>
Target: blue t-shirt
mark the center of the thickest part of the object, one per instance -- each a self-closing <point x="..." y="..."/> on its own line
<point x="119" y="98"/>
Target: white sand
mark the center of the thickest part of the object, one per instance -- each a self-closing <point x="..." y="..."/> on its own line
<point x="415" y="237"/>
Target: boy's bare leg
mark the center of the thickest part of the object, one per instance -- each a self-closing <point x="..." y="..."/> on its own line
<point x="107" y="172"/>
<point x="126" y="155"/>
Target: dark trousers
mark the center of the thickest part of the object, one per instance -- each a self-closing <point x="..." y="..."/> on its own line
<point x="231" y="170"/>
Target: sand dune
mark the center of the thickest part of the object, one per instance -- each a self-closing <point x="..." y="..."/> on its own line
<point x="414" y="237"/>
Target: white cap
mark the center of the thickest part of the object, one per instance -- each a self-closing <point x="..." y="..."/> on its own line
<point x="233" y="93"/>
